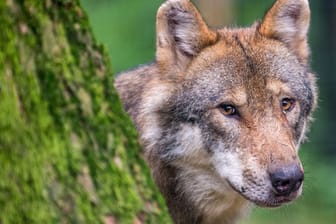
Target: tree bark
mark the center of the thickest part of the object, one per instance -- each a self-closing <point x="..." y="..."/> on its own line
<point x="68" y="152"/>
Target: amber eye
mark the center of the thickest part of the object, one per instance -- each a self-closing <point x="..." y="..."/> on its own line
<point x="228" y="109"/>
<point x="287" y="104"/>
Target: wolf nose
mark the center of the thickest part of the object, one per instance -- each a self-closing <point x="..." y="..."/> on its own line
<point x="287" y="180"/>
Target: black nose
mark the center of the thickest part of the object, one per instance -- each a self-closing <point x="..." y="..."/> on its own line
<point x="287" y="180"/>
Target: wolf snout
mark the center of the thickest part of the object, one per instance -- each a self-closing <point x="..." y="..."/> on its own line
<point x="287" y="180"/>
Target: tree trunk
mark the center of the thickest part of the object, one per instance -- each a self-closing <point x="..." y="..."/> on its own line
<point x="68" y="153"/>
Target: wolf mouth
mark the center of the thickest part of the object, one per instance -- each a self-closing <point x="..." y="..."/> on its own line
<point x="273" y="201"/>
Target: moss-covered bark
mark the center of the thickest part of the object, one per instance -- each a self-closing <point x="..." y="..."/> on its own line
<point x="67" y="151"/>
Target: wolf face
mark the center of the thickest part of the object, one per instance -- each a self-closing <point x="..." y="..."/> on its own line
<point x="221" y="113"/>
<point x="250" y="111"/>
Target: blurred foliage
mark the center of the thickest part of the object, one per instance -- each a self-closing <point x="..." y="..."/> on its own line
<point x="127" y="28"/>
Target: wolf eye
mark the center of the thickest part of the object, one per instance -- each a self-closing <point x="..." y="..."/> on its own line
<point x="228" y="109"/>
<point x="287" y="104"/>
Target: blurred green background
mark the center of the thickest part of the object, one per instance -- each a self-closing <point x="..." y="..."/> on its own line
<point x="127" y="29"/>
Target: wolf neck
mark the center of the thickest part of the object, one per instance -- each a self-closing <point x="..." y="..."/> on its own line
<point x="194" y="196"/>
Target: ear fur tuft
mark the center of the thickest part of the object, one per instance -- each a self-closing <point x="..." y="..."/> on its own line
<point x="182" y="25"/>
<point x="181" y="31"/>
<point x="288" y="22"/>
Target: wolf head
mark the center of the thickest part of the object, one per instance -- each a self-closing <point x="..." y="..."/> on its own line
<point x="226" y="108"/>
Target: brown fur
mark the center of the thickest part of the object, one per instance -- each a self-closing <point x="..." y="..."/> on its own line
<point x="209" y="165"/>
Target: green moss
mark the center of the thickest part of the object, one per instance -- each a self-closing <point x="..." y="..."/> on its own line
<point x="67" y="150"/>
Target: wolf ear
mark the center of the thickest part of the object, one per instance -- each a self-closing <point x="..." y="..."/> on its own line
<point x="181" y="33"/>
<point x="288" y="21"/>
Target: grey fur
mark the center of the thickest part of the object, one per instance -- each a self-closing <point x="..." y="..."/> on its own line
<point x="209" y="165"/>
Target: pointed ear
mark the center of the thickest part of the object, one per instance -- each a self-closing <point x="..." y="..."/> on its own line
<point x="288" y="21"/>
<point x="181" y="33"/>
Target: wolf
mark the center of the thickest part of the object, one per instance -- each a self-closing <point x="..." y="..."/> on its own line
<point x="221" y="112"/>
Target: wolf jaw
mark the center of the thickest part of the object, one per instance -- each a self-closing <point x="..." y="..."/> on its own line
<point x="221" y="113"/>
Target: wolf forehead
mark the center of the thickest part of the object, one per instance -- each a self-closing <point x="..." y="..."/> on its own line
<point x="244" y="66"/>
